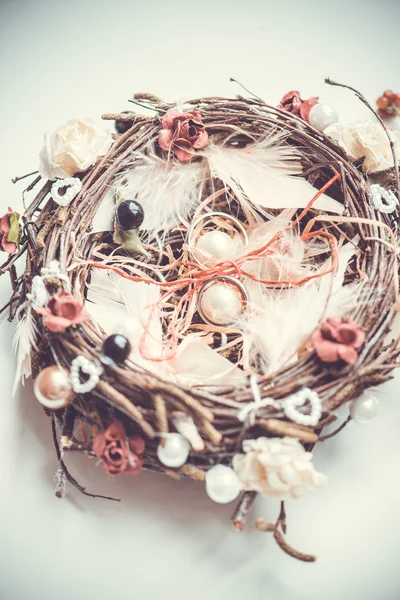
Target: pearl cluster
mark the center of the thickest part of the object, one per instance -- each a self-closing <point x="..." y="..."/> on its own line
<point x="81" y="363"/>
<point x="72" y="186"/>
<point x="293" y="402"/>
<point x="379" y="194"/>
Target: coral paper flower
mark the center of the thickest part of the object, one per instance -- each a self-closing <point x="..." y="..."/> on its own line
<point x="61" y="312"/>
<point x="118" y="453"/>
<point x="294" y="104"/>
<point x="338" y="339"/>
<point x="182" y="134"/>
<point x="277" y="467"/>
<point x="9" y="231"/>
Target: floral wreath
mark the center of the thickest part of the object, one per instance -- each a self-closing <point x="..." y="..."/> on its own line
<point x="205" y="287"/>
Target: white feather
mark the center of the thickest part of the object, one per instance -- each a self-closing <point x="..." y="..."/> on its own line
<point x="167" y="190"/>
<point x="273" y="335"/>
<point x="117" y="304"/>
<point x="23" y="343"/>
<point x="264" y="174"/>
<point x="288" y="261"/>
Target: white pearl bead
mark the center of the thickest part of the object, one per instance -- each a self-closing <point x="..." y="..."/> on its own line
<point x="221" y="303"/>
<point x="214" y="246"/>
<point x="222" y="484"/>
<point x="364" y="409"/>
<point x="322" y="115"/>
<point x="175" y="451"/>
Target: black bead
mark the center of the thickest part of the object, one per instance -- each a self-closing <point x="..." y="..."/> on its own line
<point x="129" y="214"/>
<point x="116" y="349"/>
<point x="123" y="126"/>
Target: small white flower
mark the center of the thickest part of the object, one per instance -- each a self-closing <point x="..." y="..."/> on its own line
<point x="39" y="295"/>
<point x="71" y="186"/>
<point x="277" y="467"/>
<point x="73" y="148"/>
<point x="366" y="139"/>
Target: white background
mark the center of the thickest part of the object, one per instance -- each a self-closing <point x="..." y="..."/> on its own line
<point x="166" y="539"/>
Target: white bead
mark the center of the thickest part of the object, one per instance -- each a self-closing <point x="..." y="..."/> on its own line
<point x="175" y="451"/>
<point x="214" y="246"/>
<point x="222" y="484"/>
<point x="81" y="363"/>
<point x="379" y="194"/>
<point x="322" y="115"/>
<point x="221" y="303"/>
<point x="292" y="403"/>
<point x="364" y="409"/>
<point x="72" y="185"/>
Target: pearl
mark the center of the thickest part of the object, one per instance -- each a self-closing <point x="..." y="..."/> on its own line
<point x="70" y="187"/>
<point x="175" y="451"/>
<point x="384" y="200"/>
<point x="116" y="349"/>
<point x="221" y="301"/>
<point x="123" y="126"/>
<point x="291" y="404"/>
<point x="129" y="215"/>
<point x="94" y="370"/>
<point x="322" y="115"/>
<point x="52" y="388"/>
<point x="222" y="484"/>
<point x="214" y="246"/>
<point x="364" y="409"/>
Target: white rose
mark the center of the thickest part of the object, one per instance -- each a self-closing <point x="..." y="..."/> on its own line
<point x="278" y="467"/>
<point x="366" y="139"/>
<point x="73" y="148"/>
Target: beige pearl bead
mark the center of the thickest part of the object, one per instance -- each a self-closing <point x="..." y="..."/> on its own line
<point x="214" y="246"/>
<point x="221" y="303"/>
<point x="52" y="388"/>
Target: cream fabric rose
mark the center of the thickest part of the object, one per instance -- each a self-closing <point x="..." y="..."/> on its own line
<point x="73" y="148"/>
<point x="278" y="467"/>
<point x="366" y="138"/>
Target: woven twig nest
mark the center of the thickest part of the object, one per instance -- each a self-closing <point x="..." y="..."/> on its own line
<point x="289" y="372"/>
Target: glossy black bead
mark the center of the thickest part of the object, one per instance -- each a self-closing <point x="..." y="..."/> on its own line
<point x="116" y="349"/>
<point x="129" y="214"/>
<point x="123" y="126"/>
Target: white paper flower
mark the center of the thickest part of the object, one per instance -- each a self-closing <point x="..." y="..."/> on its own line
<point x="278" y="467"/>
<point x="73" y="148"/>
<point x="366" y="139"/>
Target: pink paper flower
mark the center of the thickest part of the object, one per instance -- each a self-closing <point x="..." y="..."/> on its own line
<point x="294" y="104"/>
<point x="338" y="339"/>
<point x="62" y="311"/>
<point x="5" y="227"/>
<point x="118" y="453"/>
<point x="182" y="134"/>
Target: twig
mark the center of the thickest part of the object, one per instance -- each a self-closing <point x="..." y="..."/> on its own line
<point x="67" y="474"/>
<point x="240" y="514"/>
<point x="15" y="179"/>
<point x="338" y="430"/>
<point x="246" y="89"/>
